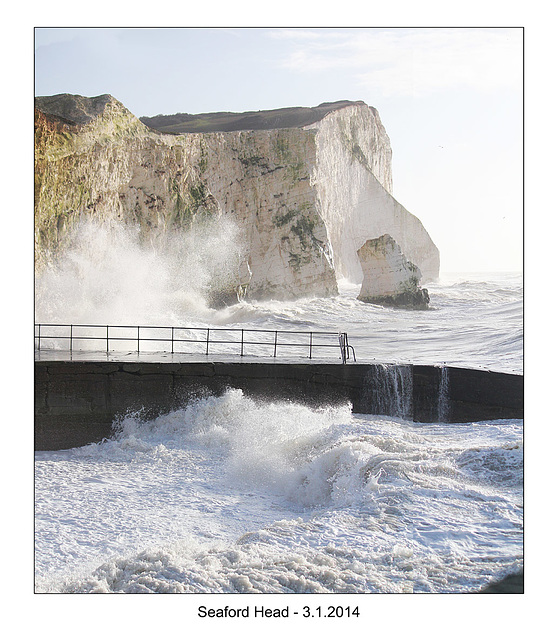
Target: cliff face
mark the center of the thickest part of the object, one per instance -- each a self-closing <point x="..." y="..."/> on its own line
<point x="353" y="177"/>
<point x="262" y="180"/>
<point x="109" y="167"/>
<point x="303" y="199"/>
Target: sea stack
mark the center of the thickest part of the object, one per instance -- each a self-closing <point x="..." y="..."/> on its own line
<point x="389" y="279"/>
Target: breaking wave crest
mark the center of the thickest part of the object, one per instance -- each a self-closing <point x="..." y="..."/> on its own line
<point x="301" y="453"/>
<point x="250" y="496"/>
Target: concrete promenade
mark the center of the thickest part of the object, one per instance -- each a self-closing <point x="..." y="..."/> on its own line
<point x="79" y="394"/>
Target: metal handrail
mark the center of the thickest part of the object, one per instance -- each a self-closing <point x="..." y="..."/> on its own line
<point x="280" y="338"/>
<point x="345" y="348"/>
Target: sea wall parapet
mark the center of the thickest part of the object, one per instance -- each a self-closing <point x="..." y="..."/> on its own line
<point x="77" y="402"/>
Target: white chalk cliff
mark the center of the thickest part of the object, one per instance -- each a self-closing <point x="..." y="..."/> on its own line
<point x="353" y="176"/>
<point x="304" y="198"/>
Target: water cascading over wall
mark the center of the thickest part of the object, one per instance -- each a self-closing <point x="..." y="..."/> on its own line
<point x="443" y="395"/>
<point x="392" y="390"/>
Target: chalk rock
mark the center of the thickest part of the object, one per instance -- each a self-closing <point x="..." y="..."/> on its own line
<point x="302" y="187"/>
<point x="353" y="178"/>
<point x="389" y="279"/>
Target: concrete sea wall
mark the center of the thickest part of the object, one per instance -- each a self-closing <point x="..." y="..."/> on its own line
<point x="77" y="401"/>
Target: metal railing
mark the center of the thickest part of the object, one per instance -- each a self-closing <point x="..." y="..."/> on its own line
<point x="257" y="341"/>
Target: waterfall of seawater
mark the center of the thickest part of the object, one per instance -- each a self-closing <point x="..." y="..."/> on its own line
<point x="393" y="394"/>
<point x="443" y="395"/>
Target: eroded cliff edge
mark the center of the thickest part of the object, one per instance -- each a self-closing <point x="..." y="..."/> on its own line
<point x="304" y="198"/>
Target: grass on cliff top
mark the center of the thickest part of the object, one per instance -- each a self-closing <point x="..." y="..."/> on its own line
<point x="286" y="118"/>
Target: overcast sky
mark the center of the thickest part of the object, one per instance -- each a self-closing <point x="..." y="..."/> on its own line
<point x="450" y="99"/>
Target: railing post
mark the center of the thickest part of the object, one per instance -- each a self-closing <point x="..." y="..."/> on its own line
<point x="207" y="344"/>
<point x="242" y="344"/>
<point x="71" y="339"/>
<point x="342" y="347"/>
<point x="107" y="338"/>
<point x="172" y="338"/>
<point x="39" y="337"/>
<point x="348" y="347"/>
<point x="138" y="339"/>
<point x="276" y="338"/>
<point x="310" y="344"/>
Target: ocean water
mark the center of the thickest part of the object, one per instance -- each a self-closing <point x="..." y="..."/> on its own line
<point x="106" y="276"/>
<point x="233" y="495"/>
<point x="475" y="320"/>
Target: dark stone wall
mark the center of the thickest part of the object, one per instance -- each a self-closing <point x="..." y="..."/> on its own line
<point x="470" y="394"/>
<point x="76" y="402"/>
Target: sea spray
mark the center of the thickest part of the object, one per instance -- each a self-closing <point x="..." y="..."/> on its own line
<point x="109" y="273"/>
<point x="289" y="449"/>
<point x="165" y="292"/>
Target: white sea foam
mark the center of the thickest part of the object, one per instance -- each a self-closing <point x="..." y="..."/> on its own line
<point x="234" y="495"/>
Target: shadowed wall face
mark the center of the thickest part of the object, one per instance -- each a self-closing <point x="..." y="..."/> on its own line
<point x="77" y="402"/>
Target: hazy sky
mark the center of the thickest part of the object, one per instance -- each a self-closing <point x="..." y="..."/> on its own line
<point x="450" y="99"/>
